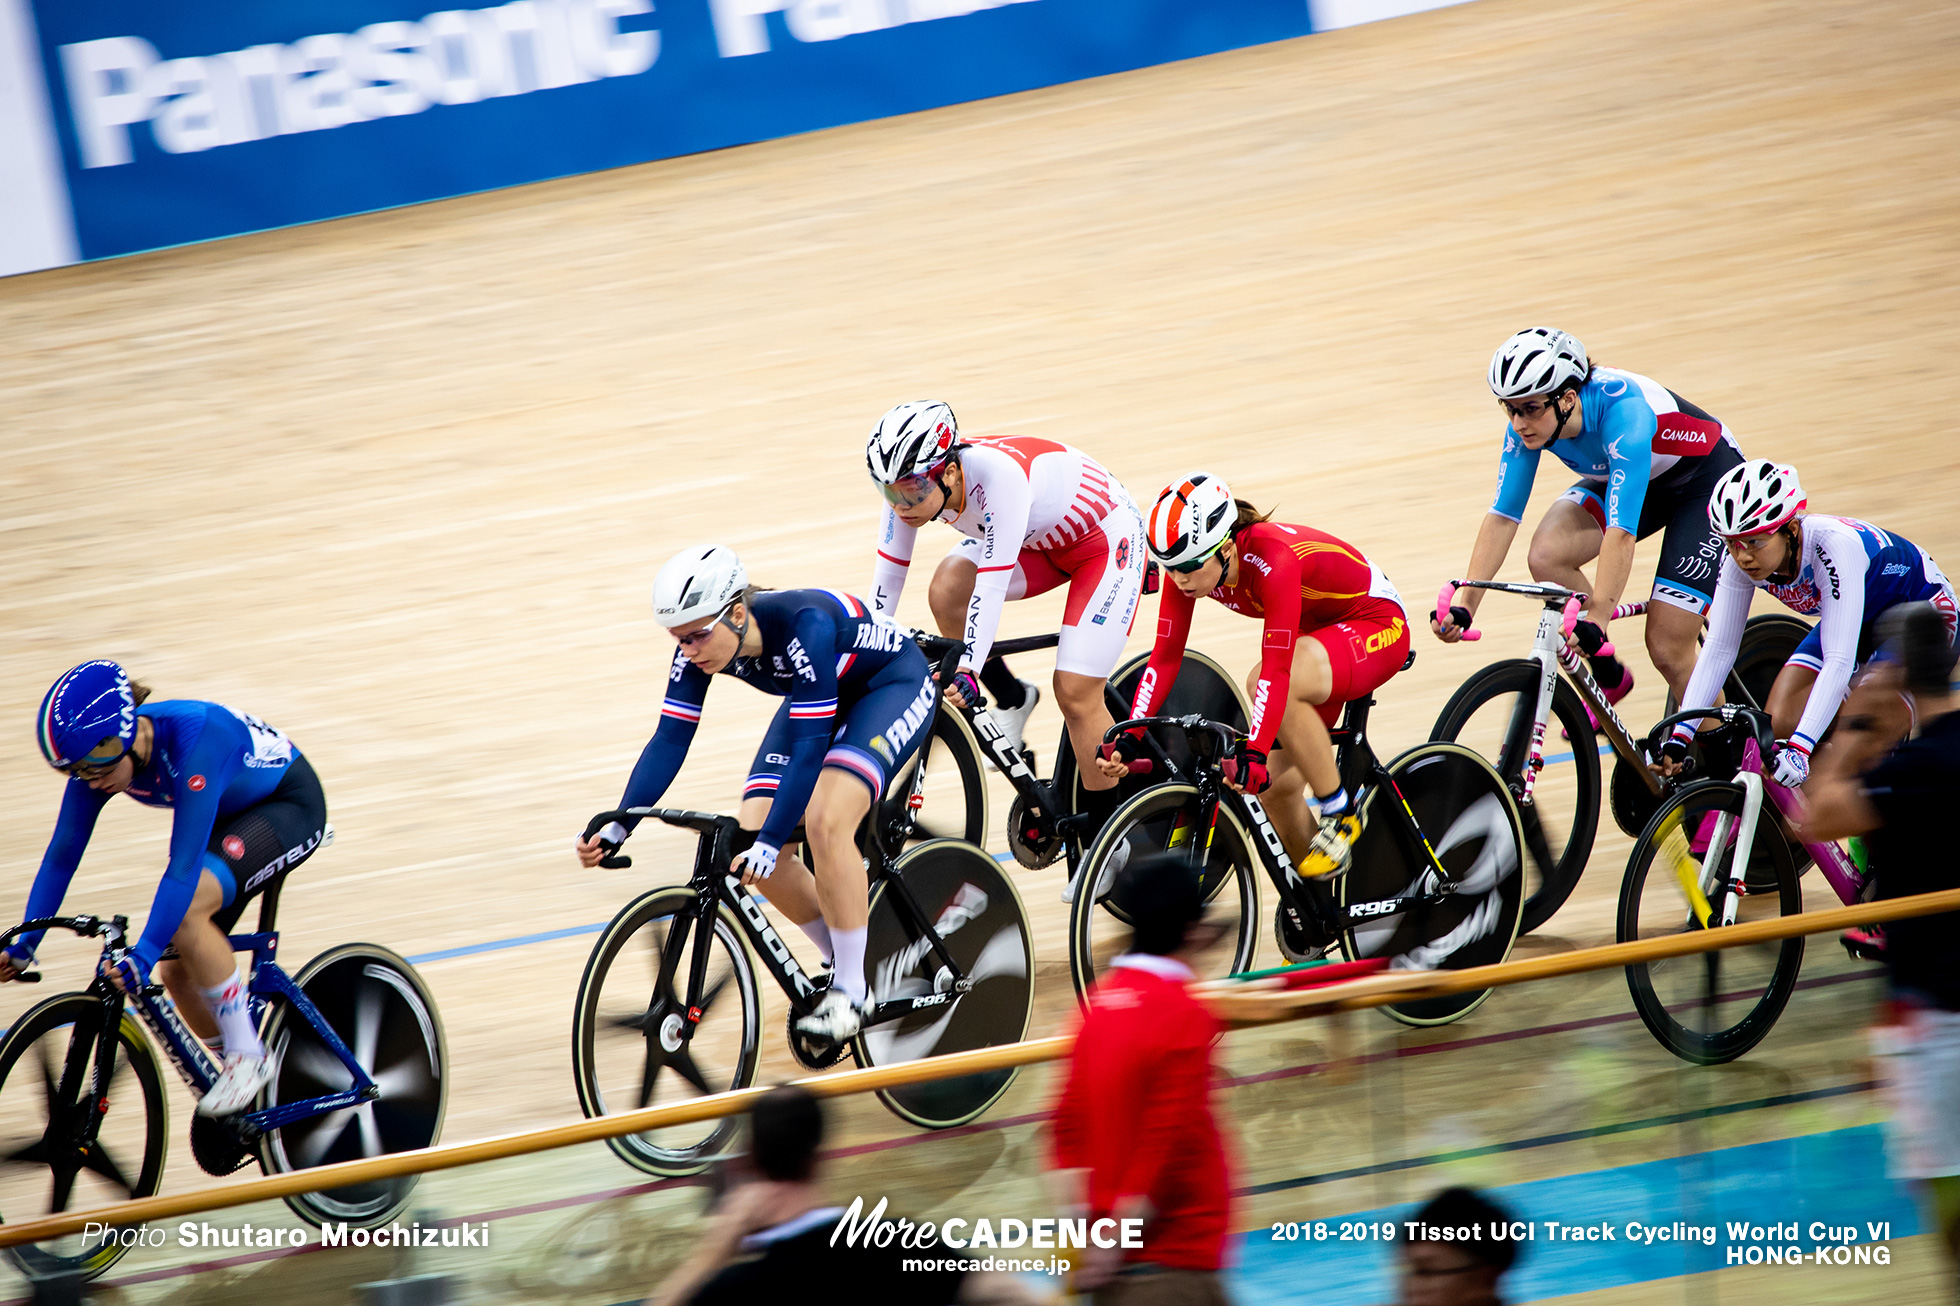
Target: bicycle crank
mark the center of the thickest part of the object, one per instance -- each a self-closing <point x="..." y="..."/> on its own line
<point x="1032" y="837"/>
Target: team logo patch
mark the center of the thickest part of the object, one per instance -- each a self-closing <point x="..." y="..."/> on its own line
<point x="1123" y="553"/>
<point x="195" y="784"/>
<point x="234" y="847"/>
<point x="881" y="748"/>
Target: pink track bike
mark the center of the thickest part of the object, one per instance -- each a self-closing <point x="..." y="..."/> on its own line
<point x="1708" y="859"/>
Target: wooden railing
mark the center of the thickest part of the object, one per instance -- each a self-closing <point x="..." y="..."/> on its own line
<point x="1239" y="1004"/>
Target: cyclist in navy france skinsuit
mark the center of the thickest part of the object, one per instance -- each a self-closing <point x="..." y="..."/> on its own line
<point x="1845" y="572"/>
<point x="858" y="693"/>
<point x="247" y="809"/>
<point x="1646" y="460"/>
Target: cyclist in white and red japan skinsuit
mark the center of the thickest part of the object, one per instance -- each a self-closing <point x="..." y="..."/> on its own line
<point x="1036" y="515"/>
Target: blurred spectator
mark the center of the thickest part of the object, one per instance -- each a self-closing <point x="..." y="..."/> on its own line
<point x="1134" y="1132"/>
<point x="770" y="1241"/>
<point x="1456" y="1271"/>
<point x="1903" y="804"/>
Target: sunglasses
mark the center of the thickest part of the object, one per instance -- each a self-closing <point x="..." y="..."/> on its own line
<point x="100" y="760"/>
<point x="1531" y="409"/>
<point x="908" y="491"/>
<point x="701" y="636"/>
<point x="1186" y="568"/>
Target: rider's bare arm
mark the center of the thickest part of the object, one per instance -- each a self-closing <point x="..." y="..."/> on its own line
<point x="1493" y="544"/>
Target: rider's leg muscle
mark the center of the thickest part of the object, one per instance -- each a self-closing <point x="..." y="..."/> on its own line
<point x="950" y="592"/>
<point x="1788" y="696"/>
<point x="1566" y="539"/>
<point x="1672" y="633"/>
<point x="1087" y="713"/>
<point x="837" y="808"/>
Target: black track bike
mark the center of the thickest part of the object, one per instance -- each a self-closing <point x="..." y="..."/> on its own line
<point x="668" y="1008"/>
<point x="1435" y="881"/>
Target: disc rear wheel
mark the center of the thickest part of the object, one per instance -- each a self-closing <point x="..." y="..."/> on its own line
<point x="1465" y="813"/>
<point x="379" y="1008"/>
<point x="978" y="916"/>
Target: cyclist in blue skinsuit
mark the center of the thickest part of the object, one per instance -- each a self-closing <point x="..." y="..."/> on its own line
<point x="1646" y="461"/>
<point x="858" y="696"/>
<point x="248" y="809"/>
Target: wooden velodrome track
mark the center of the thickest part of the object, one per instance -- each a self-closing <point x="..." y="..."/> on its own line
<point x="399" y="483"/>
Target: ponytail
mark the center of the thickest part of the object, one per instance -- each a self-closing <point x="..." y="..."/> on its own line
<point x="1248" y="516"/>
<point x="139" y="691"/>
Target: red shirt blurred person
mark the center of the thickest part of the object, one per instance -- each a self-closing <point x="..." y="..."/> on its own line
<point x="1135" y="1113"/>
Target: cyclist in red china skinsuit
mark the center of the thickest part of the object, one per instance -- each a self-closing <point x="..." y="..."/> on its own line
<point x="1335" y="631"/>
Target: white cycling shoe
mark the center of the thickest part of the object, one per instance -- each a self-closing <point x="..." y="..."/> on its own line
<point x="238" y="1087"/>
<point x="1014" y="721"/>
<point x="836" y="1018"/>
<point x="1113" y="865"/>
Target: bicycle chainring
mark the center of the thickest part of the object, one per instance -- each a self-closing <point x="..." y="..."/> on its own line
<point x="217" y="1147"/>
<point x="1033" y="840"/>
<point x="1296" y="942"/>
<point x="814" y="1053"/>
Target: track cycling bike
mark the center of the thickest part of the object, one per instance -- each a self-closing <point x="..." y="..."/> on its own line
<point x="1045" y="822"/>
<point x="668" y="1008"/>
<point x="362" y="1071"/>
<point x="1710" y="858"/>
<point x="1434" y="883"/>
<point x="1502" y="711"/>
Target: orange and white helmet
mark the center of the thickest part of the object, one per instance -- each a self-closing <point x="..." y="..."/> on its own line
<point x="1755" y="498"/>
<point x="1190" y="520"/>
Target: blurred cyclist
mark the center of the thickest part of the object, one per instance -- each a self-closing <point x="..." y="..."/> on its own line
<point x="1646" y="460"/>
<point x="247" y="810"/>
<point x="1036" y="515"/>
<point x="1335" y="631"/>
<point x="857" y="694"/>
<point x="1846" y="573"/>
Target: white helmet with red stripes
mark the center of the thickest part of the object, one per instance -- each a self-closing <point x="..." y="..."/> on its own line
<point x="913" y="439"/>
<point x="1190" y="520"/>
<point x="1755" y="498"/>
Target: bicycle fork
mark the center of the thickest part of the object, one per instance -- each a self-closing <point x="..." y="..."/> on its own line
<point x="1543" y="653"/>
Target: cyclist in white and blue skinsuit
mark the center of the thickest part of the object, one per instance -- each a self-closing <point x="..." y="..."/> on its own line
<point x="1646" y="460"/>
<point x="1844" y="572"/>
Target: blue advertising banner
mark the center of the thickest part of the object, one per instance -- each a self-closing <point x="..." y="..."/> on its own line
<point x="207" y="118"/>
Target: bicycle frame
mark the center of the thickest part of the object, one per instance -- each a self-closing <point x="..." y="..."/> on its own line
<point x="1361" y="770"/>
<point x="712" y="885"/>
<point x="1552" y="653"/>
<point x="1039" y="794"/>
<point x="1843" y="875"/>
<point x="185" y="1050"/>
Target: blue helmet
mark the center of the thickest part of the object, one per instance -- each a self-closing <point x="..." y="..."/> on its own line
<point x="86" y="706"/>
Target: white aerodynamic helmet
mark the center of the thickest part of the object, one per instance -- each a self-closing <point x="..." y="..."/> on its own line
<point x="1190" y="520"/>
<point x="912" y="439"/>
<point x="1755" y="498"/>
<point x="1540" y="361"/>
<point x="696" y="583"/>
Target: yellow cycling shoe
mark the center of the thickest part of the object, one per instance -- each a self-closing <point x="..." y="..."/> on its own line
<point x="1333" y="847"/>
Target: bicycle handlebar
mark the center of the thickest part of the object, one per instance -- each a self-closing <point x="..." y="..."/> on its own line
<point x="1570" y="600"/>
<point x="115" y="929"/>
<point x="699" y="822"/>
<point x="1443" y="605"/>
<point x="1758" y="721"/>
<point x="1192" y="724"/>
